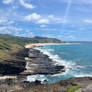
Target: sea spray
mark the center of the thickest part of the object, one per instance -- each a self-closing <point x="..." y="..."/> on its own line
<point x="75" y="57"/>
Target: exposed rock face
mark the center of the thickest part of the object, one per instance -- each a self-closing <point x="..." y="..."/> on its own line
<point x="40" y="63"/>
<point x="7" y="69"/>
<point x="14" y="67"/>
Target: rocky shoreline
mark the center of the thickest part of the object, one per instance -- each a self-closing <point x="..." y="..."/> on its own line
<point x="30" y="62"/>
<point x="39" y="63"/>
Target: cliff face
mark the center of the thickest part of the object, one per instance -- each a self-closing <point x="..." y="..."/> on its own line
<point x="13" y="66"/>
<point x="39" y="63"/>
<point x="12" y="58"/>
<point x="12" y="52"/>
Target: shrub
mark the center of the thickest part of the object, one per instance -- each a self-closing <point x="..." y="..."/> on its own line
<point x="74" y="88"/>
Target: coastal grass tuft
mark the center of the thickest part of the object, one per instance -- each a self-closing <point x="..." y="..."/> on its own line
<point x="74" y="88"/>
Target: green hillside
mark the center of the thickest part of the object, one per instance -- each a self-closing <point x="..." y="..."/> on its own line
<point x="25" y="40"/>
<point x="12" y="52"/>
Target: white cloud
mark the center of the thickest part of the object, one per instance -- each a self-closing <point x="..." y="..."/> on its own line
<point x="26" y="5"/>
<point x="22" y="2"/>
<point x="7" y="1"/>
<point x="3" y="20"/>
<point x="32" y="17"/>
<point x="39" y="19"/>
<point x="42" y="26"/>
<point x="43" y="21"/>
<point x="16" y="31"/>
<point x="4" y="28"/>
<point x="54" y="19"/>
<point x="27" y="33"/>
<point x="88" y="21"/>
<point x="10" y="22"/>
<point x="51" y="16"/>
<point x="14" y="28"/>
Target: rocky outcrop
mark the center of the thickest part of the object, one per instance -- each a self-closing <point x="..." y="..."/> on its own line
<point x="8" y="69"/>
<point x="16" y="65"/>
<point x="62" y="86"/>
<point x="39" y="63"/>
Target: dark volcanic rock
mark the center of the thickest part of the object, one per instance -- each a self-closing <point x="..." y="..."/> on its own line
<point x="7" y="69"/>
<point x="42" y="64"/>
<point x="57" y="68"/>
<point x="14" y="66"/>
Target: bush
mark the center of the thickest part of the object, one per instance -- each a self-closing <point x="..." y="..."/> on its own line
<point x="74" y="88"/>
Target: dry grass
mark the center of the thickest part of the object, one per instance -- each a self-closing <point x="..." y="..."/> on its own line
<point x="8" y="48"/>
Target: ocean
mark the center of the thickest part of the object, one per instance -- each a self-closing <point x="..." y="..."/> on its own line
<point x="76" y="57"/>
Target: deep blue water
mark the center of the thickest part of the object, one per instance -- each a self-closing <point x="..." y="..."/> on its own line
<point x="76" y="57"/>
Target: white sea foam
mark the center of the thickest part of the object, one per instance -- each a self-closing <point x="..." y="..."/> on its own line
<point x="82" y="67"/>
<point x="33" y="78"/>
<point x="83" y="75"/>
<point x="57" y="60"/>
<point x="70" y="67"/>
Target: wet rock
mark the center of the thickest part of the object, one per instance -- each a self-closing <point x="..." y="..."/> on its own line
<point x="37" y="82"/>
<point x="58" y="68"/>
<point x="40" y="63"/>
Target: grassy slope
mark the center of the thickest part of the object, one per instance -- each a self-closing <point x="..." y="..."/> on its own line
<point x="12" y="44"/>
<point x="25" y="40"/>
<point x="7" y="48"/>
<point x="9" y="62"/>
<point x="12" y="51"/>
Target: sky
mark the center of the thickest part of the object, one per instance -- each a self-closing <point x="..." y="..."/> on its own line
<point x="67" y="20"/>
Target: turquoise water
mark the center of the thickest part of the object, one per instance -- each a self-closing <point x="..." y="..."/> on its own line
<point x="77" y="59"/>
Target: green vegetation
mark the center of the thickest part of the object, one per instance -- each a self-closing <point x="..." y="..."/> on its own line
<point x="12" y="44"/>
<point x="12" y="52"/>
<point x="24" y="40"/>
<point x="74" y="89"/>
<point x="4" y="46"/>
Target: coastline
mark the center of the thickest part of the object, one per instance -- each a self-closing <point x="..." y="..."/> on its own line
<point x="27" y="71"/>
<point x="21" y="85"/>
<point x="62" y="86"/>
<point x="40" y="44"/>
<point x="39" y="63"/>
<point x="23" y="54"/>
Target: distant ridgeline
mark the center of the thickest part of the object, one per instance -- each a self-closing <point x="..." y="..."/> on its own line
<point x="25" y="40"/>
